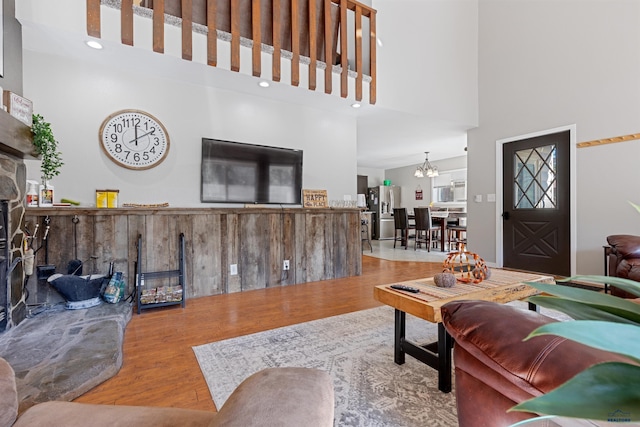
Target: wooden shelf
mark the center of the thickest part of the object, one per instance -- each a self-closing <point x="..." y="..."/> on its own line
<point x="15" y="137"/>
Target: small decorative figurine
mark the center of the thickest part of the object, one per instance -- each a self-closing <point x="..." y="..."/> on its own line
<point x="469" y="266"/>
<point x="444" y="280"/>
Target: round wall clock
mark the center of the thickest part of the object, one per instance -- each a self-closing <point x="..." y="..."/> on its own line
<point x="134" y="139"/>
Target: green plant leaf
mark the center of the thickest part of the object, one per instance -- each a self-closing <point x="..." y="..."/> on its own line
<point x="46" y="147"/>
<point x="582" y="311"/>
<point x="601" y="392"/>
<point x="607" y="336"/>
<point x="616" y="305"/>
<point x="627" y="285"/>
<point x="604" y="391"/>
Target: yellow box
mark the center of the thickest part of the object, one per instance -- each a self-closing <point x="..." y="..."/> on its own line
<point x="112" y="198"/>
<point x="107" y="198"/>
<point x="101" y="198"/>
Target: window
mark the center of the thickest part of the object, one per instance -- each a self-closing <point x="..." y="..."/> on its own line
<point x="535" y="178"/>
<point x="449" y="187"/>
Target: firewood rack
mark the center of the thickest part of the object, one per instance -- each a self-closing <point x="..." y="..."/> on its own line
<point x="149" y="296"/>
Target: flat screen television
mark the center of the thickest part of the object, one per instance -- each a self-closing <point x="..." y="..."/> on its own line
<point x="235" y="172"/>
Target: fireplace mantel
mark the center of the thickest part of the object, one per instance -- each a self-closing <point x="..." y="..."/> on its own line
<point x="15" y="137"/>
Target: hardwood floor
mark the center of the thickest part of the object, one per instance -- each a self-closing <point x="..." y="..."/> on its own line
<point x="159" y="366"/>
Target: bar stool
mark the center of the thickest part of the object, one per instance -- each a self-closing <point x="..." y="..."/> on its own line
<point x="401" y="221"/>
<point x="457" y="235"/>
<point x="425" y="228"/>
<point x="364" y="233"/>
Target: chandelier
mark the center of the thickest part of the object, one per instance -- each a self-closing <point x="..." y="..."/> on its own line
<point x="426" y="168"/>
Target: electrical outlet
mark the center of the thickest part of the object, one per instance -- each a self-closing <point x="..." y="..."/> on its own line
<point x="285" y="264"/>
<point x="233" y="269"/>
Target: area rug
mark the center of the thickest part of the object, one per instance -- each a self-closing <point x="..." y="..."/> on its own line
<point x="357" y="350"/>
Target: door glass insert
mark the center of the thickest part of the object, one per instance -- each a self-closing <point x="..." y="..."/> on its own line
<point x="535" y="178"/>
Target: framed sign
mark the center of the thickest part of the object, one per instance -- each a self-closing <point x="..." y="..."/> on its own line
<point x="315" y="199"/>
<point x="19" y="107"/>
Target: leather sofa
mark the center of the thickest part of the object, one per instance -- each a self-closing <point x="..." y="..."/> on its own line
<point x="290" y="397"/>
<point x="623" y="260"/>
<point x="495" y="369"/>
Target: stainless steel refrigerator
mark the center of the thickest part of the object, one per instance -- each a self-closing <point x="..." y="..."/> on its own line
<point x="381" y="200"/>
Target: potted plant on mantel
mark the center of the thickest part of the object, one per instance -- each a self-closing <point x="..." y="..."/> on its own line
<point x="51" y="160"/>
<point x="607" y="391"/>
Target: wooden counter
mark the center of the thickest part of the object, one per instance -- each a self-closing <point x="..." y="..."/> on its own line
<point x="320" y="244"/>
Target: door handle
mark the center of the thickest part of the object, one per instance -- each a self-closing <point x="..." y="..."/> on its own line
<point x="505" y="216"/>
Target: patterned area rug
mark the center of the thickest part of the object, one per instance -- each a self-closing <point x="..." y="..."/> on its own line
<point x="357" y="350"/>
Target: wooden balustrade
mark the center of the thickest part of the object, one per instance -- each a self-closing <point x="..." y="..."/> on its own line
<point x="316" y="30"/>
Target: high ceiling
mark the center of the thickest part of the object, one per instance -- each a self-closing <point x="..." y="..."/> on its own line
<point x="386" y="138"/>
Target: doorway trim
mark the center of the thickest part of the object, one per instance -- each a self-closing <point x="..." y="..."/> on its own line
<point x="572" y="188"/>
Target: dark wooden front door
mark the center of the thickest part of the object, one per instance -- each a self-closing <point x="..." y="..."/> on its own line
<point x="536" y="217"/>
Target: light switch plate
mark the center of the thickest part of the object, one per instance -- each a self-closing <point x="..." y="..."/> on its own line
<point x="477" y="198"/>
<point x="491" y="197"/>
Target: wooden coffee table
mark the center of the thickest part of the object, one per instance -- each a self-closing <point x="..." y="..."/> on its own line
<point x="503" y="286"/>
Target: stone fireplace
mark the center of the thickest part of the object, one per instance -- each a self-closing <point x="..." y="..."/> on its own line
<point x="15" y="146"/>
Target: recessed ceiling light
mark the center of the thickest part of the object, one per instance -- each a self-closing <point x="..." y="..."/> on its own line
<point x="263" y="83"/>
<point x="93" y="44"/>
<point x="356" y="105"/>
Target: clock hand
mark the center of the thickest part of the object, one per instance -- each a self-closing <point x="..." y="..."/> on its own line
<point x="136" y="133"/>
<point x="138" y="137"/>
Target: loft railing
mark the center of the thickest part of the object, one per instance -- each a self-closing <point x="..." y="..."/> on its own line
<point x="306" y="31"/>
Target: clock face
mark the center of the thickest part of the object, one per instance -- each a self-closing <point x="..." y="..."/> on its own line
<point x="134" y="139"/>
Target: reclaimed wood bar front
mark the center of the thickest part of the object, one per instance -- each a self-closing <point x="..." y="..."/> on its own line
<point x="320" y="244"/>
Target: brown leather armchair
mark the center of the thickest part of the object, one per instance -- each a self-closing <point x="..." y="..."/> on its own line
<point x="495" y="369"/>
<point x="623" y="260"/>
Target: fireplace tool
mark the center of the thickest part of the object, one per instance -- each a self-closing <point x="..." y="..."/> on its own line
<point x="46" y="270"/>
<point x="43" y="272"/>
<point x="75" y="265"/>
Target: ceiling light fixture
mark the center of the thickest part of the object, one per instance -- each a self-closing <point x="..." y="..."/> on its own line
<point x="263" y="83"/>
<point x="355" y="105"/>
<point x="426" y="168"/>
<point x="93" y="44"/>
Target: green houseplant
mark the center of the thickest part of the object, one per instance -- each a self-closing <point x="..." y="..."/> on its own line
<point x="46" y="147"/>
<point x="606" y="391"/>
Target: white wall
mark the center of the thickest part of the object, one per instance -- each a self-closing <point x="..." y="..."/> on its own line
<point x="548" y="64"/>
<point x="429" y="52"/>
<point x="76" y="96"/>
